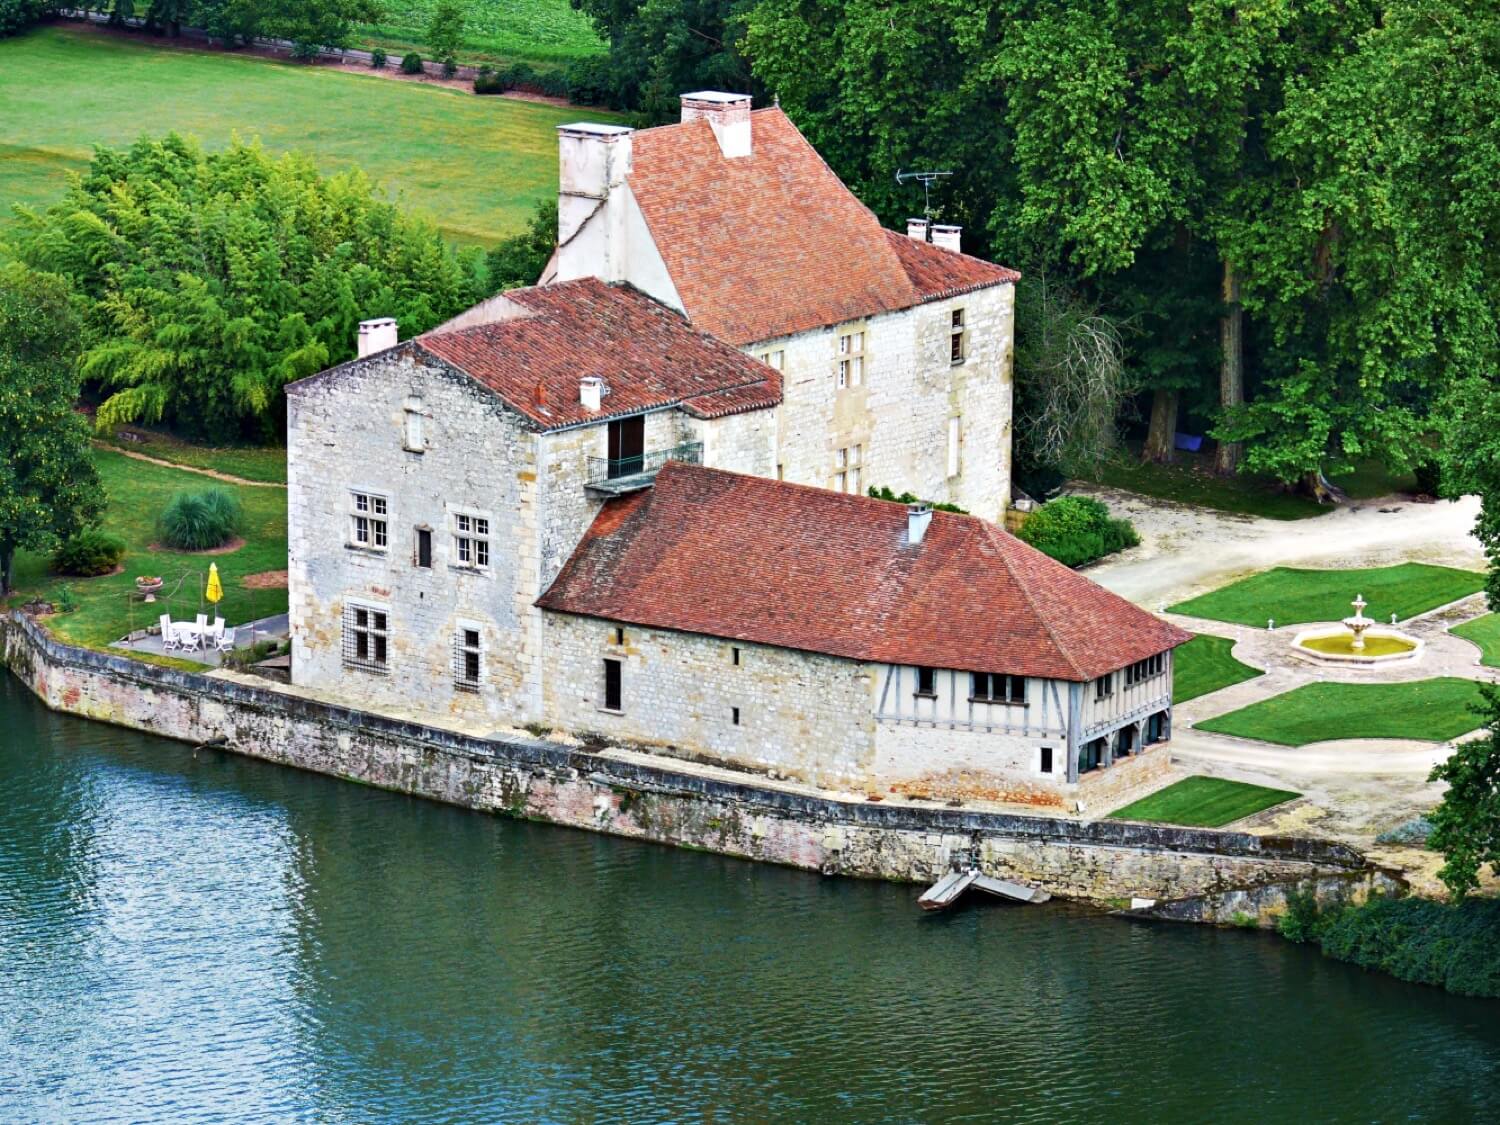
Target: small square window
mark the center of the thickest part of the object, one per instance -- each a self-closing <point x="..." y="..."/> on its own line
<point x="927" y="682"/>
<point x="617" y="635"/>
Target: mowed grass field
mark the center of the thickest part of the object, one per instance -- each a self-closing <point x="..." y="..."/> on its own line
<point x="1206" y="663"/>
<point x="1427" y="710"/>
<point x="1484" y="632"/>
<point x="541" y="32"/>
<point x="1204" y="802"/>
<point x="1290" y="596"/>
<point x="477" y="166"/>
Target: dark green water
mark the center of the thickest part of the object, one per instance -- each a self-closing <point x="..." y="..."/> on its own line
<point x="217" y="939"/>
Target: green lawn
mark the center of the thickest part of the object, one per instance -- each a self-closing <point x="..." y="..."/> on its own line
<point x="137" y="493"/>
<point x="1190" y="480"/>
<point x="1203" y="665"/>
<point x="1484" y="632"/>
<point x="1429" y="710"/>
<point x="1291" y="597"/>
<point x="541" y="32"/>
<point x="258" y="463"/>
<point x="1204" y="802"/>
<point x="477" y="165"/>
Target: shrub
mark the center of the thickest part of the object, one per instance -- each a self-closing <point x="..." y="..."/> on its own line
<point x="487" y="81"/>
<point x="450" y="67"/>
<point x="378" y="57"/>
<point x="89" y="553"/>
<point x="1454" y="947"/>
<point x="590" y="80"/>
<point x="411" y="63"/>
<point x="884" y="493"/>
<point x="201" y="521"/>
<point x="1076" y="530"/>
<point x="63" y="600"/>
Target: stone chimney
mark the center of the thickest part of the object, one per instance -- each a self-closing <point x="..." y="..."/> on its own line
<point x="947" y="237"/>
<point x="727" y="114"/>
<point x="376" y="335"/>
<point x="918" y="516"/>
<point x="592" y="163"/>
<point x="591" y="393"/>
<point x="916" y="229"/>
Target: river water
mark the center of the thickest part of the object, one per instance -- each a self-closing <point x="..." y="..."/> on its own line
<point x="211" y="938"/>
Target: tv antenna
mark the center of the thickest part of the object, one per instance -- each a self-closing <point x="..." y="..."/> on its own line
<point x="926" y="179"/>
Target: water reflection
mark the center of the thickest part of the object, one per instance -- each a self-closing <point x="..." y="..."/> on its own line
<point x="220" y="939"/>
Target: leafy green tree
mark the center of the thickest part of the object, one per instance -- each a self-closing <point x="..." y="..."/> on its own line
<point x="17" y="15"/>
<point x="520" y="259"/>
<point x="317" y="24"/>
<point x="48" y="487"/>
<point x="660" y="49"/>
<point x="1466" y="826"/>
<point x="445" y="31"/>
<point x="211" y="280"/>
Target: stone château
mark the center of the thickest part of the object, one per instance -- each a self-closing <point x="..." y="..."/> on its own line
<point x="628" y="503"/>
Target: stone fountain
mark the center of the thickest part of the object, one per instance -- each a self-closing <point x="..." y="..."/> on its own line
<point x="1356" y="642"/>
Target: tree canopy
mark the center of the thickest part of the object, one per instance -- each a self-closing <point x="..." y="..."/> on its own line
<point x="211" y="280"/>
<point x="48" y="487"/>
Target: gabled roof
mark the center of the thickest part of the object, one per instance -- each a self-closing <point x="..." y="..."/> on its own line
<point x="773" y="243"/>
<point x="531" y="347"/>
<point x="744" y="558"/>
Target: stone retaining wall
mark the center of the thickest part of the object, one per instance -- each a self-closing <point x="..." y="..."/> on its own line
<point x="1094" y="860"/>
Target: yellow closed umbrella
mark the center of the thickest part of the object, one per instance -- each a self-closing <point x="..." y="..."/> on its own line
<point x="215" y="590"/>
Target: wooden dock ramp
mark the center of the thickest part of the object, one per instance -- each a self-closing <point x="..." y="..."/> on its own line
<point x="951" y="887"/>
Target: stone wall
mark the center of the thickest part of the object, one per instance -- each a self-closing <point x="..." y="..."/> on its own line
<point x="1098" y="860"/>
<point x="900" y="415"/>
<point x="801" y="715"/>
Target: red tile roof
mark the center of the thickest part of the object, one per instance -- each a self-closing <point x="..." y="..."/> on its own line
<point x="706" y="551"/>
<point x="647" y="354"/>
<point x="773" y="243"/>
<point x="936" y="273"/>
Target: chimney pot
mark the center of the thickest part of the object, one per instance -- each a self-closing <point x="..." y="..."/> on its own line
<point x="376" y="336"/>
<point x="918" y="516"/>
<point x="947" y="237"/>
<point x="916" y="229"/>
<point x="727" y="114"/>
<point x="591" y="393"/>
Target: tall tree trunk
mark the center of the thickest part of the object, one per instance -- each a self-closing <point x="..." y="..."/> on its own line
<point x="7" y="560"/>
<point x="1231" y="367"/>
<point x="1161" y="438"/>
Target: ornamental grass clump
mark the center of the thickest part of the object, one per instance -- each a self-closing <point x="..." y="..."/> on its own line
<point x="201" y="521"/>
<point x="1076" y="530"/>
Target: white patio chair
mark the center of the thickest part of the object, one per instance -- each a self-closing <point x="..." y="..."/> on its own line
<point x="169" y="641"/>
<point x="189" y="639"/>
<point x="202" y="623"/>
<point x="224" y="640"/>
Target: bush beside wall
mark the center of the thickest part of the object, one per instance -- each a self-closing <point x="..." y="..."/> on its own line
<point x="89" y="553"/>
<point x="1412" y="939"/>
<point x="1076" y="530"/>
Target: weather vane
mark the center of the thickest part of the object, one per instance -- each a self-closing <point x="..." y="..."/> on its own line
<point x="926" y="179"/>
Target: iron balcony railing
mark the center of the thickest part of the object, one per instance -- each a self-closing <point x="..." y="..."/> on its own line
<point x="623" y="473"/>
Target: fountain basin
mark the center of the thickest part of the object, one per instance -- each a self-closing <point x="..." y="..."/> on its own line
<point x="1334" y="644"/>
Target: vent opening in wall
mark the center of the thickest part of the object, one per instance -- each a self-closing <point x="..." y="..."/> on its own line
<point x="734" y="656"/>
<point x="734" y="715"/>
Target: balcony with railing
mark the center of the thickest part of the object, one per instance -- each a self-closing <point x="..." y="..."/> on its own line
<point x="617" y="476"/>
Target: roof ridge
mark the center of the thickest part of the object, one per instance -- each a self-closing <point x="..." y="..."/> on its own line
<point x="1003" y="551"/>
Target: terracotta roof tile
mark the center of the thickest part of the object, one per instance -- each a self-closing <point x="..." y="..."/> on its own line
<point x="936" y="273"/>
<point x="647" y="354"/>
<point x="773" y="243"/>
<point x="706" y="551"/>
